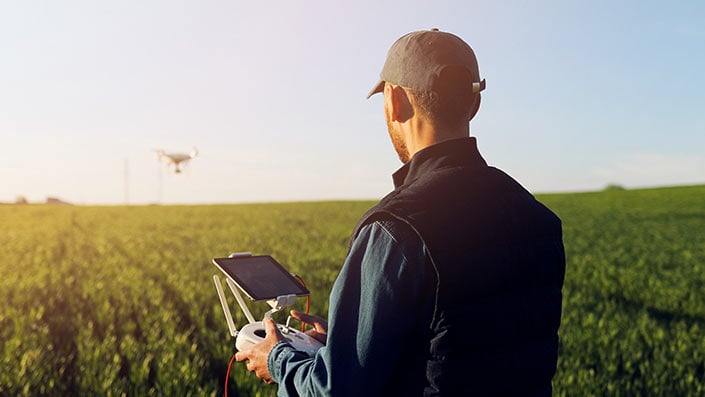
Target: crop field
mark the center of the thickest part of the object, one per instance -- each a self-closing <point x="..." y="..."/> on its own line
<point x="120" y="301"/>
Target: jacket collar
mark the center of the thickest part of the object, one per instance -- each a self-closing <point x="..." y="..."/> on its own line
<point x="452" y="153"/>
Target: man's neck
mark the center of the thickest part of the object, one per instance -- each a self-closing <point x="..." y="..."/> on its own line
<point x="422" y="134"/>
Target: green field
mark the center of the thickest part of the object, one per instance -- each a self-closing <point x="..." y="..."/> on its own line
<point x="119" y="300"/>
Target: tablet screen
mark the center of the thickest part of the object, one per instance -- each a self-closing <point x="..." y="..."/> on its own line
<point x="261" y="277"/>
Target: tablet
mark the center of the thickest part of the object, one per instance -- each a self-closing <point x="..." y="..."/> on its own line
<point x="260" y="277"/>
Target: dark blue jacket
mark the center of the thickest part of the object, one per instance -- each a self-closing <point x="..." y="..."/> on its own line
<point x="499" y="262"/>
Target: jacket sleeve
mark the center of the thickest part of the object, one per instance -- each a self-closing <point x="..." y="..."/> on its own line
<point x="373" y="308"/>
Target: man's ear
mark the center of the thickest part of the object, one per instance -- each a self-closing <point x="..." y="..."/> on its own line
<point x="400" y="109"/>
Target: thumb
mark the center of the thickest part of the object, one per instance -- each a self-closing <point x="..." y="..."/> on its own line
<point x="269" y="326"/>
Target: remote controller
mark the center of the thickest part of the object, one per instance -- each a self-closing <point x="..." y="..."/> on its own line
<point x="254" y="333"/>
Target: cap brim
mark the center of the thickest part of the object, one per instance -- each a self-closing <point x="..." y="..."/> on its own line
<point x="378" y="88"/>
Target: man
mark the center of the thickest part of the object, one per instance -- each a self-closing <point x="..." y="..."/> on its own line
<point x="452" y="285"/>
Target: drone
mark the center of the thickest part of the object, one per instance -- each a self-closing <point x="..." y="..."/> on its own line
<point x="178" y="160"/>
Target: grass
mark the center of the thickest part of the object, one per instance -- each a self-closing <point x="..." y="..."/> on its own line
<point x="119" y="300"/>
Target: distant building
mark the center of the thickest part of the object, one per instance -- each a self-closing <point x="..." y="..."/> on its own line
<point x="56" y="201"/>
<point x="21" y="200"/>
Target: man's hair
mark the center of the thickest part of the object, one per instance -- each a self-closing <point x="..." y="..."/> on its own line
<point x="451" y="103"/>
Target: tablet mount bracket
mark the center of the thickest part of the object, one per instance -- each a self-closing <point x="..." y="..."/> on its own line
<point x="277" y="304"/>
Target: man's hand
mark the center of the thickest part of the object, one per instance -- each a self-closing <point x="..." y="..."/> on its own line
<point x="256" y="356"/>
<point x="320" y="325"/>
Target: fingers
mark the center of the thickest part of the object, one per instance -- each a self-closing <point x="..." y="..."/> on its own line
<point x="300" y="316"/>
<point x="306" y="318"/>
<point x="242" y="355"/>
<point x="318" y="323"/>
<point x="260" y="372"/>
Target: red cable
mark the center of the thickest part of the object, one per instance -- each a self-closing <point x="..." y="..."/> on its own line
<point x="308" y="299"/>
<point x="227" y="375"/>
<point x="308" y="303"/>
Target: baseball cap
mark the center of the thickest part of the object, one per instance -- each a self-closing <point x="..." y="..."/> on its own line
<point x="417" y="59"/>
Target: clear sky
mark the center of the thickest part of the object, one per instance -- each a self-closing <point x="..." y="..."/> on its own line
<point x="579" y="94"/>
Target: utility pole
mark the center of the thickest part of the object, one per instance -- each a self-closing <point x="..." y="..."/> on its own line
<point x="127" y="182"/>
